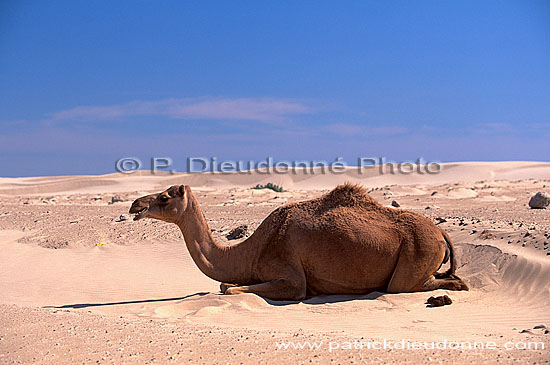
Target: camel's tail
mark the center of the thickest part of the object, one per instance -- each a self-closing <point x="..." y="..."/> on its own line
<point x="451" y="255"/>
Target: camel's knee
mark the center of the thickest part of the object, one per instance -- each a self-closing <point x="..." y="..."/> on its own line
<point x="402" y="282"/>
<point x="293" y="290"/>
<point x="400" y="287"/>
<point x="298" y="293"/>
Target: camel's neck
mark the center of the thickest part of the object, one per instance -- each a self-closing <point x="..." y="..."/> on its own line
<point x="229" y="264"/>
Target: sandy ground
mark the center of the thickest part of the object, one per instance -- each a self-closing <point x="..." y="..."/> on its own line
<point x="81" y="282"/>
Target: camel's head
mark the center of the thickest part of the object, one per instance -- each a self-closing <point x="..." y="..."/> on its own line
<point x="166" y="206"/>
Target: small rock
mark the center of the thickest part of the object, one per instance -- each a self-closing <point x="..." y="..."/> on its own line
<point x="238" y="232"/>
<point x="440" y="220"/>
<point x="433" y="193"/>
<point x="438" y="301"/>
<point x="540" y="200"/>
<point x="485" y="234"/>
<point x="123" y="217"/>
<point x="540" y="326"/>
<point x="116" y="199"/>
<point x="394" y="203"/>
<point x="527" y="331"/>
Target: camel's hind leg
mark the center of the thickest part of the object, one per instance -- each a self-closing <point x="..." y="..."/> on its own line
<point x="280" y="289"/>
<point x="453" y="282"/>
<point x="415" y="271"/>
<point x="450" y="283"/>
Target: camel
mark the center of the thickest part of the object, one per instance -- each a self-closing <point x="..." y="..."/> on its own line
<point x="344" y="242"/>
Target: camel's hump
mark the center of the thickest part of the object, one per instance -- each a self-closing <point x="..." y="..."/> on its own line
<point x="349" y="194"/>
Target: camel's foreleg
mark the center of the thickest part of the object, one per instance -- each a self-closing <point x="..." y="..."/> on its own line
<point x="280" y="289"/>
<point x="225" y="286"/>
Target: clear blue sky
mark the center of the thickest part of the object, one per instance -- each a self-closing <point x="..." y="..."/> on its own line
<point x="83" y="83"/>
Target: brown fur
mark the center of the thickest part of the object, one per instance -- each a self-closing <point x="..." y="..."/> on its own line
<point x="342" y="242"/>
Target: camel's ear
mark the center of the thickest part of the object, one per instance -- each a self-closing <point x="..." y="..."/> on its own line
<point x="181" y="190"/>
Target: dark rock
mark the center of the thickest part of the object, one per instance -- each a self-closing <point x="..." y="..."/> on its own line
<point x="394" y="203"/>
<point x="440" y="220"/>
<point x="540" y="200"/>
<point x="438" y="301"/>
<point x="116" y="199"/>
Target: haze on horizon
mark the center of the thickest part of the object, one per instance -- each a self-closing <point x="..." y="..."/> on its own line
<point x="84" y="84"/>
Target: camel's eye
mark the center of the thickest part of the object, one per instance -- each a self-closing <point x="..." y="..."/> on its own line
<point x="164" y="198"/>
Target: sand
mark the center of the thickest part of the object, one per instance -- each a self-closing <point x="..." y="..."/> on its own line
<point x="81" y="282"/>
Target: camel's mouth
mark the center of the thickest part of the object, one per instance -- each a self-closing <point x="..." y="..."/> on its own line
<point x="140" y="213"/>
<point x="140" y="207"/>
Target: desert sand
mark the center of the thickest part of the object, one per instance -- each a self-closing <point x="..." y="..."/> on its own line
<point x="80" y="281"/>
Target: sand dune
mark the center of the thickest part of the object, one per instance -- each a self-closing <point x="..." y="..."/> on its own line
<point x="369" y="177"/>
<point x="64" y="247"/>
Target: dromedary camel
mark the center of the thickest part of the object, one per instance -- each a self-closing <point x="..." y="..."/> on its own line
<point x="341" y="243"/>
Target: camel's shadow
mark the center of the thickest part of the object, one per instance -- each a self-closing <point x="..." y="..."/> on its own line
<point x="317" y="300"/>
<point x="88" y="305"/>
<point x="327" y="299"/>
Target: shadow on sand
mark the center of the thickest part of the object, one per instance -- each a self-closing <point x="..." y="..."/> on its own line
<point x="311" y="301"/>
<point x="88" y="305"/>
<point x="337" y="298"/>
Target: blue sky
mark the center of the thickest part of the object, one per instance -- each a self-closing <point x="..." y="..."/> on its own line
<point x="84" y="83"/>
